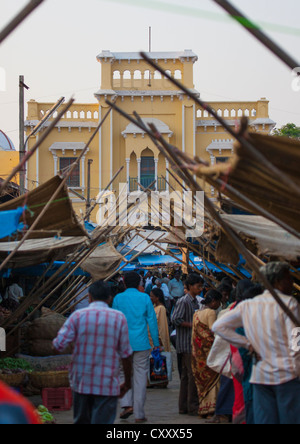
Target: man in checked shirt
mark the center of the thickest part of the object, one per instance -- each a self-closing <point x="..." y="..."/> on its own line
<point x="100" y="338"/>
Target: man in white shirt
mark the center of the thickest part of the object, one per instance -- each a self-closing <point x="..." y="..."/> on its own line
<point x="269" y="337"/>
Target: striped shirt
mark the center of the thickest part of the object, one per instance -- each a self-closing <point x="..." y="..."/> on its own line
<point x="270" y="332"/>
<point x="100" y="336"/>
<point x="184" y="312"/>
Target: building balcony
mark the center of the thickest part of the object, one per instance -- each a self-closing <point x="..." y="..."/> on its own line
<point x="146" y="182"/>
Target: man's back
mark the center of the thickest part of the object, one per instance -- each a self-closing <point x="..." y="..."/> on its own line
<point x="269" y="331"/>
<point x="139" y="312"/>
<point x="100" y="337"/>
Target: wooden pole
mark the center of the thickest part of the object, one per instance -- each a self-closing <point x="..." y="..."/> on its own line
<point x="35" y="147"/>
<point x="235" y="240"/>
<point x="23" y="14"/>
<point x="257" y="33"/>
<point x="240" y="138"/>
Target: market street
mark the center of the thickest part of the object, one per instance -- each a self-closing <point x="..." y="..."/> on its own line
<point x="166" y="399"/>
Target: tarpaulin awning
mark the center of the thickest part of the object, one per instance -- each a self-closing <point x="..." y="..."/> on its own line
<point x="150" y="260"/>
<point x="257" y="182"/>
<point x="264" y="236"/>
<point x="39" y="270"/>
<point x="38" y="251"/>
<point x="102" y="262"/>
<point x="59" y="219"/>
<point x="10" y="222"/>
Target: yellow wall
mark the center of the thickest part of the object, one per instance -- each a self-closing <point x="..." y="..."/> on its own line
<point x="191" y="129"/>
<point x="8" y="161"/>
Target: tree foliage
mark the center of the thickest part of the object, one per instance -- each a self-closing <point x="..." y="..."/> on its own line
<point x="289" y="130"/>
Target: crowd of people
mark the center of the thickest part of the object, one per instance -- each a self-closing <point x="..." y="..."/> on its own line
<point x="237" y="357"/>
<point x="233" y="345"/>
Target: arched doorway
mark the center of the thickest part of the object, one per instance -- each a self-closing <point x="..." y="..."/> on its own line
<point x="147" y="168"/>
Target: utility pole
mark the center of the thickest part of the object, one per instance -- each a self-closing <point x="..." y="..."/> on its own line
<point x="22" y="148"/>
<point x="88" y="200"/>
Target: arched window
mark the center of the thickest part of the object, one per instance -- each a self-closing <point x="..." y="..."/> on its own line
<point x="96" y="115"/>
<point x="253" y="113"/>
<point x="69" y="115"/>
<point x="89" y="115"/>
<point x="117" y="75"/>
<point x="127" y="75"/>
<point x="82" y="115"/>
<point x="137" y="75"/>
<point x="169" y="73"/>
<point x="157" y="75"/>
<point x="233" y="113"/>
<point x="75" y="115"/>
<point x="147" y="75"/>
<point x="220" y="112"/>
<point x="178" y="74"/>
<point x="205" y="114"/>
<point x="199" y="114"/>
<point x="240" y="113"/>
<point x="247" y="113"/>
<point x="226" y="113"/>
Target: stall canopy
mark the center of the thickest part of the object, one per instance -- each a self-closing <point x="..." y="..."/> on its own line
<point x="253" y="179"/>
<point x="59" y="220"/>
<point x="103" y="261"/>
<point x="153" y="260"/>
<point x="38" y="251"/>
<point x="264" y="237"/>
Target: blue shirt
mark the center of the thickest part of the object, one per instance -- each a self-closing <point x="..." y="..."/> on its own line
<point x="139" y="312"/>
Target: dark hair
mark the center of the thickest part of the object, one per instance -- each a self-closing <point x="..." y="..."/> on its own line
<point x="227" y="280"/>
<point x="159" y="294"/>
<point x="224" y="287"/>
<point x="251" y="293"/>
<point x="241" y="287"/>
<point x="211" y="296"/>
<point x="100" y="291"/>
<point x="193" y="279"/>
<point x="132" y="280"/>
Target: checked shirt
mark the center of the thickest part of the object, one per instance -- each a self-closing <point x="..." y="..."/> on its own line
<point x="100" y="337"/>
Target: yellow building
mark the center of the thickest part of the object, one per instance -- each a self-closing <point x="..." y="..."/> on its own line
<point x="127" y="78"/>
<point x="9" y="157"/>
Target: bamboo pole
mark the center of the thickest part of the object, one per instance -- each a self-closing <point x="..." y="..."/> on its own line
<point x="132" y="259"/>
<point x="23" y="14"/>
<point x="64" y="310"/>
<point x="257" y="33"/>
<point x="103" y="192"/>
<point x="235" y="240"/>
<point x="35" y="147"/>
<point x="55" y="194"/>
<point x="68" y="291"/>
<point x="167" y="151"/>
<point x="240" y="138"/>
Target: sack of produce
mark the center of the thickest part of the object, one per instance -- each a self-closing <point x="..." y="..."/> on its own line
<point x="44" y="347"/>
<point x="45" y="327"/>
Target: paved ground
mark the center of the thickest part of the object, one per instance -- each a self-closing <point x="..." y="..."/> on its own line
<point x="161" y="407"/>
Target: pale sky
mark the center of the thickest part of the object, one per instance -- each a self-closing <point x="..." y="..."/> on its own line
<point x="56" y="48"/>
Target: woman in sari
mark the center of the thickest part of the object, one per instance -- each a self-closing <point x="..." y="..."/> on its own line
<point x="158" y="300"/>
<point x="207" y="381"/>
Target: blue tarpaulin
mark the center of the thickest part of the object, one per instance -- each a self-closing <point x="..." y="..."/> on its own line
<point x="10" y="222"/>
<point x="152" y="260"/>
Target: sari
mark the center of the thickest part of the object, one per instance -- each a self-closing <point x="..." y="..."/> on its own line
<point x="207" y="381"/>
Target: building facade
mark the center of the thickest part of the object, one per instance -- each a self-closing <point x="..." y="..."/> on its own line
<point x="127" y="79"/>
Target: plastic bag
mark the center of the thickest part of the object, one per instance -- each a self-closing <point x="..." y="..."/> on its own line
<point x="158" y="373"/>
